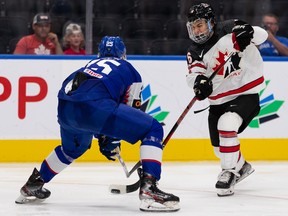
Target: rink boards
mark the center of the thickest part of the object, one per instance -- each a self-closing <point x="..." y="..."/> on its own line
<point x="28" y="102"/>
<point x="176" y="150"/>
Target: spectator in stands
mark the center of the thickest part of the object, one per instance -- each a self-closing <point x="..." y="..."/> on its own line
<point x="73" y="41"/>
<point x="42" y="42"/>
<point x="274" y="45"/>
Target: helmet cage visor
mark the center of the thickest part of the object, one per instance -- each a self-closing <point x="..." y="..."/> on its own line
<point x="201" y="37"/>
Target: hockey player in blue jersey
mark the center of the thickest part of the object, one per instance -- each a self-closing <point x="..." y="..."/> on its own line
<point x="100" y="100"/>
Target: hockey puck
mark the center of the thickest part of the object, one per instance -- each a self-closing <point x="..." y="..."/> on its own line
<point x="115" y="191"/>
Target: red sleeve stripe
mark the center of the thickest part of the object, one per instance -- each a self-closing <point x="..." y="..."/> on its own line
<point x="197" y="65"/>
<point x="227" y="134"/>
<point x="239" y="90"/>
<point x="229" y="149"/>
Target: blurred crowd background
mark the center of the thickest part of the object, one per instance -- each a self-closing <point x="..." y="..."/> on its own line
<point x="148" y="27"/>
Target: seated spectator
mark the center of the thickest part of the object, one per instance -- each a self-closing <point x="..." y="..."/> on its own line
<point x="274" y="45"/>
<point x="73" y="41"/>
<point x="42" y="42"/>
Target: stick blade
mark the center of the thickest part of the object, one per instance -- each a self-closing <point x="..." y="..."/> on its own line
<point x="123" y="189"/>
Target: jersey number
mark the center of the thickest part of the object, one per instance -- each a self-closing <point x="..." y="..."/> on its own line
<point x="103" y="64"/>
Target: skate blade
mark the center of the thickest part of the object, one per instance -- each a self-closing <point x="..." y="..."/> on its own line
<point x="225" y="192"/>
<point x="25" y="200"/>
<point x="245" y="175"/>
<point x="148" y="205"/>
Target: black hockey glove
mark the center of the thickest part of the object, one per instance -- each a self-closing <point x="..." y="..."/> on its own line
<point x="107" y="146"/>
<point x="202" y="87"/>
<point x="242" y="34"/>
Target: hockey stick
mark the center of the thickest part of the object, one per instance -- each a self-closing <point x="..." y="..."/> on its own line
<point x="122" y="162"/>
<point x="120" y="189"/>
<point x="191" y="103"/>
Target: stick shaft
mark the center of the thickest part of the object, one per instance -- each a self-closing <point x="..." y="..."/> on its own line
<point x="123" y="165"/>
<point x="133" y="187"/>
<point x="187" y="109"/>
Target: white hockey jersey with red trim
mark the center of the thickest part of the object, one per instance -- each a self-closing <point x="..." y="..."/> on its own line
<point x="242" y="74"/>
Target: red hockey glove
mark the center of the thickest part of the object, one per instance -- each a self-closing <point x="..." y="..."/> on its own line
<point x="242" y="34"/>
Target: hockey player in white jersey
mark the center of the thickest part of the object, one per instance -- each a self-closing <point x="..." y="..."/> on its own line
<point x="101" y="100"/>
<point x="233" y="93"/>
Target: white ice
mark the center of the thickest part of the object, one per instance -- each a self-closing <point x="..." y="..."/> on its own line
<point x="82" y="190"/>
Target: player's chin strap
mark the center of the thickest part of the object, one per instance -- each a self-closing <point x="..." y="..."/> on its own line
<point x="191" y="103"/>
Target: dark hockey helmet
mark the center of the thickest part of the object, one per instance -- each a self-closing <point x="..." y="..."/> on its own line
<point x="202" y="11"/>
<point x="112" y="47"/>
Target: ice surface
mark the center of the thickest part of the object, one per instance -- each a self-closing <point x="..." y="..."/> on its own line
<point x="82" y="190"/>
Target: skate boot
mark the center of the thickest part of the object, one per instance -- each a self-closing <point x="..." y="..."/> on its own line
<point x="226" y="182"/>
<point x="33" y="189"/>
<point x="245" y="171"/>
<point x="152" y="198"/>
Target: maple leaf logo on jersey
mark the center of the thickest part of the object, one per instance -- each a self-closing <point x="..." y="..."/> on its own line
<point x="230" y="66"/>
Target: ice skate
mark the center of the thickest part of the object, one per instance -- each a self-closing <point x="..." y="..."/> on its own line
<point x="33" y="190"/>
<point x="152" y="198"/>
<point x="245" y="171"/>
<point x="226" y="182"/>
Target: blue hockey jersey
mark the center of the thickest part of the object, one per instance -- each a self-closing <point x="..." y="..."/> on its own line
<point x="120" y="78"/>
